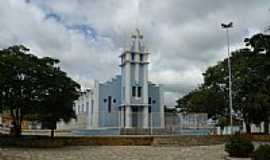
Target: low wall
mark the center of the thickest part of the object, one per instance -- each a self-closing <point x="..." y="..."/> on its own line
<point x="39" y="132"/>
<point x="95" y="132"/>
<point x="46" y="142"/>
<point x="43" y="141"/>
<point x="166" y="131"/>
<point x="189" y="140"/>
<point x="46" y="132"/>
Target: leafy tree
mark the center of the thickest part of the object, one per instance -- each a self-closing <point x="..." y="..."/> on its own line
<point x="26" y="86"/>
<point x="204" y="100"/>
<point x="17" y="79"/>
<point x="58" y="103"/>
<point x="251" y="85"/>
<point x="260" y="43"/>
<point x="250" y="95"/>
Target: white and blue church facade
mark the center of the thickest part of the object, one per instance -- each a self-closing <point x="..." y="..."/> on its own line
<point x="129" y="100"/>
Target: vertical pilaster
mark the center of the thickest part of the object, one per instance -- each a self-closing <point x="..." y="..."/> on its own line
<point x="162" y="116"/>
<point x="145" y="117"/>
<point x="96" y="106"/>
<point x="145" y="97"/>
<point x="145" y="84"/>
<point x="137" y="65"/>
<point x="127" y="82"/>
<point x="128" y="117"/>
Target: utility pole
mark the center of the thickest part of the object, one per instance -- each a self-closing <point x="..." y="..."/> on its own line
<point x="227" y="27"/>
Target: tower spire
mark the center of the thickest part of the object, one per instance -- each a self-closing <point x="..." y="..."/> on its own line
<point x="137" y="44"/>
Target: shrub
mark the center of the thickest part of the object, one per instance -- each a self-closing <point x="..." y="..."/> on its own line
<point x="239" y="146"/>
<point x="262" y="152"/>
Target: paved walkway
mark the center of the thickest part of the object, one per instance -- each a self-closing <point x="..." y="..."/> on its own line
<point x="215" y="152"/>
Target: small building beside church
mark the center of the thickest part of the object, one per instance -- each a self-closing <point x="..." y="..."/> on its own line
<point x="129" y="100"/>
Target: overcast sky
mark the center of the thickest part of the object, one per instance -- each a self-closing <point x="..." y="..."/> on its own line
<point x="183" y="36"/>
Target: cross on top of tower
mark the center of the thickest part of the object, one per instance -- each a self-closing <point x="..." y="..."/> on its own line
<point x="137" y="44"/>
<point x="137" y="34"/>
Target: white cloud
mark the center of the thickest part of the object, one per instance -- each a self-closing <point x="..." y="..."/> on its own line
<point x="184" y="37"/>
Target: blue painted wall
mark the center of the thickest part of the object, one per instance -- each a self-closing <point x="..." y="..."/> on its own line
<point x="112" y="88"/>
<point x="154" y="93"/>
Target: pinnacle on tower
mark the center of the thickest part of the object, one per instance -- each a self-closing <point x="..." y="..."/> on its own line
<point x="137" y="44"/>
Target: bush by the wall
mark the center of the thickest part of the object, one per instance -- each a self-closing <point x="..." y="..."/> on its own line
<point x="262" y="152"/>
<point x="239" y="146"/>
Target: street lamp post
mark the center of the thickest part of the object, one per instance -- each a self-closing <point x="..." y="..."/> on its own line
<point x="227" y="27"/>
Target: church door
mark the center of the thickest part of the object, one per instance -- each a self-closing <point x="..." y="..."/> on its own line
<point x="135" y="117"/>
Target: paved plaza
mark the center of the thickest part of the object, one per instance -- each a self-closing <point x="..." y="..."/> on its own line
<point x="215" y="152"/>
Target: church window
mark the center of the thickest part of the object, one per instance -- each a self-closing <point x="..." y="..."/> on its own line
<point x="105" y="100"/>
<point x="132" y="56"/>
<point x="139" y="91"/>
<point x="149" y="100"/>
<point x="123" y="91"/>
<point x="133" y="91"/>
<point x="92" y="106"/>
<point x="87" y="107"/>
<point x="110" y="104"/>
<point x="82" y="107"/>
<point x="114" y="100"/>
<point x="141" y="57"/>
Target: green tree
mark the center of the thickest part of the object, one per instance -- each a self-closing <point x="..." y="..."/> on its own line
<point x="251" y="85"/>
<point x="57" y="105"/>
<point x="250" y="95"/>
<point x="17" y="79"/>
<point x="204" y="100"/>
<point x="25" y="81"/>
<point x="260" y="43"/>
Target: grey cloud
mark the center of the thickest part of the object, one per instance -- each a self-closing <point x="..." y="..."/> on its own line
<point x="184" y="37"/>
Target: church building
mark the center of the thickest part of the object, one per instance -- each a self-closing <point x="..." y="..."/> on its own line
<point x="129" y="100"/>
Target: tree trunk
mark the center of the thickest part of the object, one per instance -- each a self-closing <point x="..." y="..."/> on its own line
<point x="266" y="127"/>
<point x="52" y="133"/>
<point x="18" y="131"/>
<point x="248" y="128"/>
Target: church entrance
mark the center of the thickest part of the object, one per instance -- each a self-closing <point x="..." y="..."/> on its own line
<point x="137" y="117"/>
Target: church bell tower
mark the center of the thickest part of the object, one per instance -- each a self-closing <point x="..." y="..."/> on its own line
<point x="134" y="68"/>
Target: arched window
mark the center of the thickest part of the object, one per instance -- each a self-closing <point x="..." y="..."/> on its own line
<point x="133" y="91"/>
<point x="132" y="56"/>
<point x="110" y="104"/>
<point x="87" y="107"/>
<point x="139" y="91"/>
<point x="141" y="57"/>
